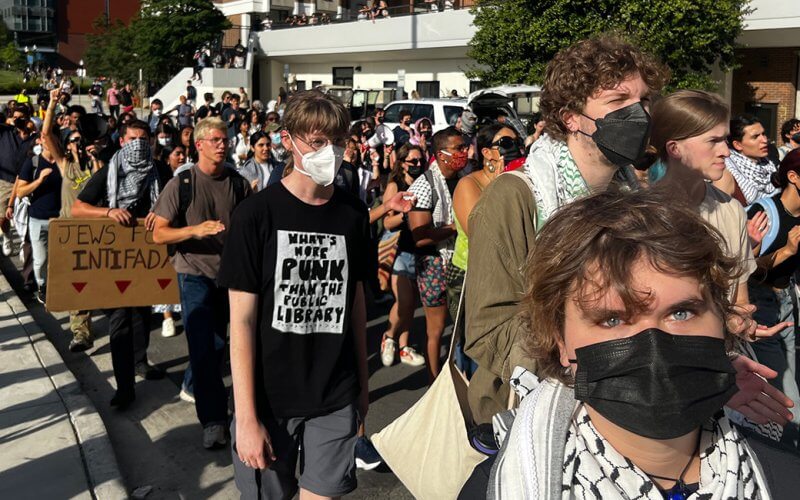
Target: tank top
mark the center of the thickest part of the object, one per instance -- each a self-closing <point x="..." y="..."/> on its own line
<point x="461" y="251"/>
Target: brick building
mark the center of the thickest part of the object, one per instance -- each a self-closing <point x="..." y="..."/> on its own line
<point x="75" y="18"/>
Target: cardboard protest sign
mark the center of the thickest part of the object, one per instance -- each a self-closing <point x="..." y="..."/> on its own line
<point x="98" y="264"/>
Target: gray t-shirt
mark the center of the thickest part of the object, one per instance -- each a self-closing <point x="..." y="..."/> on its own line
<point x="213" y="199"/>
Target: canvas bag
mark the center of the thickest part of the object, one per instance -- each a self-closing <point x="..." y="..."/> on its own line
<point x="436" y="462"/>
<point x="387" y="254"/>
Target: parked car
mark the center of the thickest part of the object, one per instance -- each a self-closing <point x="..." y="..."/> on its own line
<point x="517" y="102"/>
<point x="361" y="103"/>
<point x="441" y="112"/>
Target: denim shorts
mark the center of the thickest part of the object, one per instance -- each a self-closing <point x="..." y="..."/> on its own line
<point x="405" y="265"/>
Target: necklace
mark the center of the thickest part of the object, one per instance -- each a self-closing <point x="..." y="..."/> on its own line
<point x="680" y="491"/>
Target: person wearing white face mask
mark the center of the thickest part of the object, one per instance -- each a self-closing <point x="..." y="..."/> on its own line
<point x="295" y="261"/>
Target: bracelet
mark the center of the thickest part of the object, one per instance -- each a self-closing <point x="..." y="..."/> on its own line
<point x="109" y="212"/>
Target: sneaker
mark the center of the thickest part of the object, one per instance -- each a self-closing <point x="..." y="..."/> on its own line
<point x="186" y="396"/>
<point x="367" y="457"/>
<point x="148" y="371"/>
<point x="409" y="356"/>
<point x="80" y="343"/>
<point x="214" y="437"/>
<point x="7" y="247"/>
<point x="41" y="295"/>
<point x="123" y="399"/>
<point x="168" y="327"/>
<point x="388" y="348"/>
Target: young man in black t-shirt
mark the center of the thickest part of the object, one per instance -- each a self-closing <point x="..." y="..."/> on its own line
<point x="124" y="190"/>
<point x="295" y="261"/>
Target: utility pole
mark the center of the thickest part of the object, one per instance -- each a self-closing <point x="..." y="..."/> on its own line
<point x="108" y="13"/>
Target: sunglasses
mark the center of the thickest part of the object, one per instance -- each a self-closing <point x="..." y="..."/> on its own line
<point x="75" y="140"/>
<point x="508" y="143"/>
<point x="413" y="161"/>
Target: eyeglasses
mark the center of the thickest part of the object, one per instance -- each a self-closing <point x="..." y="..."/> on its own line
<point x="507" y="142"/>
<point x="461" y="148"/>
<point x="318" y="144"/>
<point x="413" y="161"/>
<point x="216" y="141"/>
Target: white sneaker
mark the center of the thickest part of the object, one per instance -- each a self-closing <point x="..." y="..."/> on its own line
<point x="214" y="436"/>
<point x="409" y="356"/>
<point x="388" y="348"/>
<point x="168" y="327"/>
<point x="186" y="396"/>
<point x="7" y="248"/>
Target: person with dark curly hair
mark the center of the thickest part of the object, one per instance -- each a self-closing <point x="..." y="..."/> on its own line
<point x="595" y="101"/>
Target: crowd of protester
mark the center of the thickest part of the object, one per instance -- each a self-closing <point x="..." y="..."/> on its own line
<point x="628" y="270"/>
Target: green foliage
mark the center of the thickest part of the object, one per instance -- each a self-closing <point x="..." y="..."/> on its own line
<point x="516" y="38"/>
<point x="10" y="56"/>
<point x="160" y="40"/>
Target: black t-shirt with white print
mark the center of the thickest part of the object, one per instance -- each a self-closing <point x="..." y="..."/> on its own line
<point x="304" y="263"/>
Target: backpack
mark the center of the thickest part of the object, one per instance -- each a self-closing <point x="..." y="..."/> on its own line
<point x="186" y="193"/>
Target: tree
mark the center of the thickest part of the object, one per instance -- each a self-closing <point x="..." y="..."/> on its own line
<point x="109" y="51"/>
<point x="167" y="32"/>
<point x="10" y="55"/>
<point x="160" y="40"/>
<point x="516" y="38"/>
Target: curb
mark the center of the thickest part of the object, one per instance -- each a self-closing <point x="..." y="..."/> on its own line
<point x="98" y="456"/>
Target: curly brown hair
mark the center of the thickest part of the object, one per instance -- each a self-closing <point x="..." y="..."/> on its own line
<point x="610" y="232"/>
<point x="587" y="67"/>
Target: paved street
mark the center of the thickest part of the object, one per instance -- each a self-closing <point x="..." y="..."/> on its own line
<point x="157" y="441"/>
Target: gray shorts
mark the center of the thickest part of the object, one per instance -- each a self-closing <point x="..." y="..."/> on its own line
<point x="327" y="457"/>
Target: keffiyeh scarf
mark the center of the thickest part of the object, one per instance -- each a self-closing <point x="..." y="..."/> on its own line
<point x="752" y="177"/>
<point x="130" y="172"/>
<point x="555" y="178"/>
<point x="553" y="452"/>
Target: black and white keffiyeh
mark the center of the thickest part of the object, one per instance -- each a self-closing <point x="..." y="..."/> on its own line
<point x="752" y="177"/>
<point x="130" y="172"/>
<point x="553" y="452"/>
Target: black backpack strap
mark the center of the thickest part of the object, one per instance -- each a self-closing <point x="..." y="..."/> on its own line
<point x="185" y="195"/>
<point x="239" y="184"/>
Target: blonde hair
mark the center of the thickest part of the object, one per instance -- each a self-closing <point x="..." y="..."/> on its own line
<point x="206" y="125"/>
<point x="684" y="114"/>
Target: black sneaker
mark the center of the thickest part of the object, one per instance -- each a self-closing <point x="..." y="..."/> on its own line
<point x="148" y="371"/>
<point x="123" y="399"/>
<point x="367" y="457"/>
<point x="80" y="343"/>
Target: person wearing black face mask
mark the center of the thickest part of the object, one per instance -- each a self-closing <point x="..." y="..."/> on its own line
<point x="409" y="165"/>
<point x="633" y="364"/>
<point x="790" y="134"/>
<point x="772" y="286"/>
<point x="402" y="132"/>
<point x="497" y="146"/>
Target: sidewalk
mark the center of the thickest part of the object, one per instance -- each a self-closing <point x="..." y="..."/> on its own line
<point x="53" y="443"/>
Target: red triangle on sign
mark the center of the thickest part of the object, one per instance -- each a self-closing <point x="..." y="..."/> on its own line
<point x="79" y="286"/>
<point x="164" y="283"/>
<point x="122" y="285"/>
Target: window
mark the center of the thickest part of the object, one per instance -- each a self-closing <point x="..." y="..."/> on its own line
<point x="390" y="84"/>
<point x="301" y="85"/>
<point x="451" y="114"/>
<point x="315" y="83"/>
<point x="422" y="111"/>
<point x="392" y="113"/>
<point x="343" y="76"/>
<point x="428" y="89"/>
<point x="476" y="85"/>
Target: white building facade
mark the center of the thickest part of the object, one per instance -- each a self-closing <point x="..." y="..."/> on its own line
<point x="427" y="52"/>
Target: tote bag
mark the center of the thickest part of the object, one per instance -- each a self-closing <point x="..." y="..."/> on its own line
<point x="387" y="253"/>
<point x="437" y="460"/>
